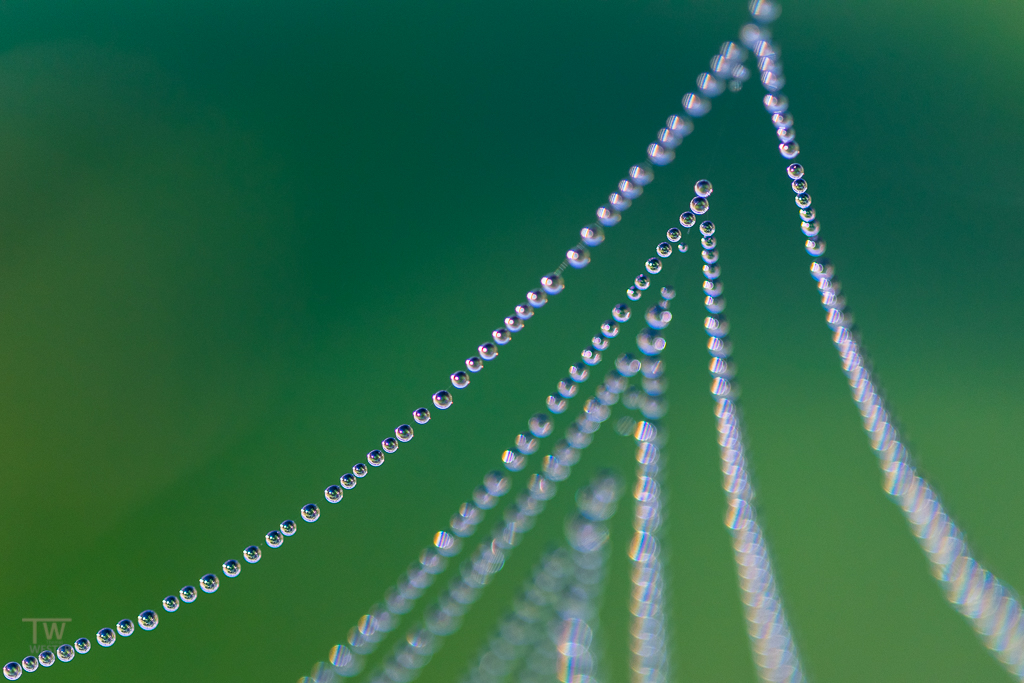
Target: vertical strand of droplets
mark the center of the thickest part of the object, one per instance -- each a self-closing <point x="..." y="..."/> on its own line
<point x="771" y="640"/>
<point x="649" y="657"/>
<point x="992" y="608"/>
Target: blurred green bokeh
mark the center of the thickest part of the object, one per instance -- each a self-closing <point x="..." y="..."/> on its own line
<point x="240" y="242"/>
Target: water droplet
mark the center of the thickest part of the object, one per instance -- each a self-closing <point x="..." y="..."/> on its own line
<point x="811" y="229"/>
<point x="741" y="74"/>
<point x="799" y="186"/>
<point x="629" y="189"/>
<point x="497" y="484"/>
<point x="641" y="175"/>
<point x="687" y="219"/>
<point x="65" y="653"/>
<point x="642" y="281"/>
<point x="807" y="214"/>
<point x="552" y="283"/>
<point x="404" y="432"/>
<point x="619" y="202"/>
<point x="274" y="538"/>
<point x="443" y="399"/>
<point x="375" y="458"/>
<point x="501" y="336"/>
<point x="460" y="380"/>
<point x="171" y="603"/>
<point x="445" y="542"/>
<point x="668" y="293"/>
<point x="12" y="671"/>
<point x="536" y="298"/>
<point x="231" y="568"/>
<point x="83" y="645"/>
<point x="822" y="269"/>
<point x="789" y="150"/>
<point x="252" y="554"/>
<point x="567" y="388"/>
<point x="390" y="444"/>
<point x="772" y="81"/>
<point x="695" y="105"/>
<point x="578" y="257"/>
<point x="609" y="329"/>
<point x="764" y="11"/>
<point x="311" y="512"/>
<point x="815" y="247"/>
<point x="699" y="205"/>
<point x="674" y="235"/>
<point x="709" y="256"/>
<point x="579" y="373"/>
<point x="148" y="620"/>
<point x="709" y="85"/>
<point x="776" y="104"/>
<point x="598" y="342"/>
<point x="664" y="249"/>
<point x="348" y="481"/>
<point x="488" y="351"/>
<point x="716" y="325"/>
<point x="668" y="139"/>
<point x="513" y="324"/>
<point x="711" y="272"/>
<point x="556" y="405"/>
<point x="288" y="528"/>
<point x="126" y="627"/>
<point x="683" y="248"/>
<point x="795" y="171"/>
<point x="608" y="217"/>
<point x="786" y="134"/>
<point x="333" y="493"/>
<point x="782" y="120"/>
<point x="660" y="154"/>
<point x="658" y="318"/>
<point x="633" y="294"/>
<point x="513" y="461"/>
<point x="703" y="188"/>
<point x="621" y="313"/>
<point x="46" y="658"/>
<point x="541" y="425"/>
<point x="30" y="663"/>
<point x="526" y="444"/>
<point x="653" y="265"/>
<point x="708" y="242"/>
<point x="803" y="200"/>
<point x="359" y="469"/>
<point x="591" y="356"/>
<point x="592" y="235"/>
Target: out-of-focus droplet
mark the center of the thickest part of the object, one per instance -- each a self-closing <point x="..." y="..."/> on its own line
<point x="630" y="189"/>
<point x="695" y="105"/>
<point x="578" y="257"/>
<point x="608" y="217"/>
<point x="609" y="329"/>
<point x="552" y="283"/>
<point x="633" y="293"/>
<point x="621" y="313"/>
<point x="592" y="235"/>
<point x="541" y="425"/>
<point x="789" y="150"/>
<point x="659" y="154"/>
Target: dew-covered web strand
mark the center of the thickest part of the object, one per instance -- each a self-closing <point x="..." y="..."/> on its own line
<point x="992" y="607"/>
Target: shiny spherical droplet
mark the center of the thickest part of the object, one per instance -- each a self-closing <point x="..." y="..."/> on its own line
<point x="288" y="528"/>
<point x="699" y="205"/>
<point x="537" y="299"/>
<point x="634" y="294"/>
<point x="513" y="461"/>
<point x="541" y="425"/>
<point x="83" y="645"/>
<point x="795" y="171"/>
<point x="473" y="364"/>
<point x="653" y="265"/>
<point x="579" y="373"/>
<point x="799" y="186"/>
<point x="782" y="120"/>
<point x="674" y="235"/>
<point x="740" y="75"/>
<point x="501" y="336"/>
<point x="488" y="351"/>
<point x="578" y="257"/>
<point x="708" y="242"/>
<point x="642" y="281"/>
<point x="348" y="481"/>
<point x="786" y="134"/>
<point x="803" y="200"/>
<point x="311" y="512"/>
<point x="621" y="313"/>
<point x="231" y="568"/>
<point x="591" y="356"/>
<point x="789" y="150"/>
<point x="822" y="269"/>
<point x="815" y="247"/>
<point x="552" y="283"/>
<point x="460" y="380"/>
<point x="609" y="329"/>
<point x="30" y="663"/>
<point x="709" y="256"/>
<point x="404" y="432"/>
<point x="46" y="658"/>
<point x="274" y="538"/>
<point x="592" y="235"/>
<point x="811" y="229"/>
<point x="422" y="415"/>
<point x="148" y="620"/>
<point x="171" y="603"/>
<point x="252" y="554"/>
<point x="668" y="293"/>
<point x="360" y="469"/>
<point x="659" y="154"/>
<point x="695" y="105"/>
<point x="390" y="444"/>
<point x="711" y="272"/>
<point x="556" y="405"/>
<point x="599" y="342"/>
<point x="524" y="311"/>
<point x="807" y="214"/>
<point x="442" y="400"/>
<point x="703" y="188"/>
<point x="333" y="493"/>
<point x="707" y="228"/>
<point x="683" y="248"/>
<point x="687" y="219"/>
<point x="125" y="628"/>
<point x="664" y="249"/>
<point x="12" y="671"/>
<point x="65" y="653"/>
<point x="105" y="637"/>
<point x="567" y="388"/>
<point x="375" y="458"/>
<point x="513" y="324"/>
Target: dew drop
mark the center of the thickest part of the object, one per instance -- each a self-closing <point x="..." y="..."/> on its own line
<point x="786" y="134"/>
<point x="541" y="425"/>
<point x="709" y="256"/>
<point x="800" y="186"/>
<point x="30" y="663"/>
<point x="422" y="415"/>
<point x="274" y="538"/>
<point x="375" y="458"/>
<point x="252" y="554"/>
<point x="148" y="620"/>
<point x="526" y="444"/>
<point x="348" y="481"/>
<point x="664" y="249"/>
<point x="776" y="104"/>
<point x="674" y="235"/>
<point x="513" y="324"/>
<point x="591" y="356"/>
<point x="65" y="653"/>
<point x="668" y="293"/>
<point x="608" y="217"/>
<point x="795" y="171"/>
<point x="808" y="214"/>
<point x="708" y="242"/>
<point x="513" y="461"/>
<point x="125" y="628"/>
<point x="592" y="235"/>
<point x="642" y="281"/>
<point x="524" y="311"/>
<point x="707" y="228"/>
<point x="404" y="432"/>
<point x="333" y="493"/>
<point x="709" y="85"/>
<point x="231" y="568"/>
<point x="46" y="658"/>
<point x="460" y="380"/>
<point x="171" y="603"/>
<point x="683" y="248"/>
<point x="12" y="671"/>
<point x="501" y="336"/>
<point x="695" y="105"/>
<point x="390" y="444"/>
<point x="782" y="120"/>
<point x="811" y="229"/>
<point x="789" y="150"/>
<point x="641" y="175"/>
<point x="660" y="154"/>
<point x="633" y="294"/>
<point x="567" y="388"/>
<point x="536" y="298"/>
<point x="311" y="512"/>
<point x="359" y="469"/>
<point x="599" y="342"/>
<point x="578" y="257"/>
<point x="703" y="188"/>
<point x="699" y="205"/>
<point x="609" y="329"/>
<point x="653" y="265"/>
<point x="764" y="11"/>
<point x="552" y="283"/>
<point x="556" y="405"/>
<point x="687" y="219"/>
<point x="288" y="528"/>
<point x="579" y="373"/>
<point x="621" y="313"/>
<point x="442" y="400"/>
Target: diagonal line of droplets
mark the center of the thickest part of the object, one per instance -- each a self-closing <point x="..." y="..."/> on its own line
<point x="726" y="67"/>
<point x="372" y="627"/>
<point x="990" y="605"/>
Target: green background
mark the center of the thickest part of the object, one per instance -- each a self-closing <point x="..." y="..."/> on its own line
<point x="240" y="242"/>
